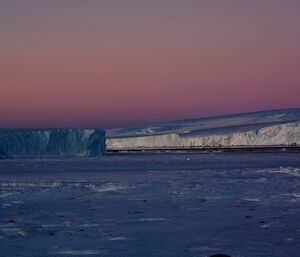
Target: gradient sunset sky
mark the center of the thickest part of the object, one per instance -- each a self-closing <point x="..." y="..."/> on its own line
<point x="109" y="63"/>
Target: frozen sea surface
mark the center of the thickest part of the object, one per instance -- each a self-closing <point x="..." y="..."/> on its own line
<point x="133" y="205"/>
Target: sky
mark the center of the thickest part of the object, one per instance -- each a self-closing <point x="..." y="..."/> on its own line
<point x="114" y="63"/>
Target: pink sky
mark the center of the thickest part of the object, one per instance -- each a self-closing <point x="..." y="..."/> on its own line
<point x="68" y="63"/>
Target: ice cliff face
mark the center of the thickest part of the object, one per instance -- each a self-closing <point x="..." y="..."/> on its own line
<point x="276" y="135"/>
<point x="51" y="142"/>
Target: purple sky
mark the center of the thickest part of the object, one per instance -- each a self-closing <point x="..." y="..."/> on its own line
<point x="70" y="63"/>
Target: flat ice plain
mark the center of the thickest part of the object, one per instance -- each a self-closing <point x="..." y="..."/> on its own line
<point x="152" y="204"/>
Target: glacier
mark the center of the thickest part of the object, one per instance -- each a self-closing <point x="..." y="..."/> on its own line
<point x="259" y="129"/>
<point x="51" y="142"/>
<point x="277" y="135"/>
<point x="279" y="128"/>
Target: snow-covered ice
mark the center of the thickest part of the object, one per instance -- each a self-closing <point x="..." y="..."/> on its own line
<point x="144" y="204"/>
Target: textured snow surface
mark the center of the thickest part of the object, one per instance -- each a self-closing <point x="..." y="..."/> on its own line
<point x="152" y="205"/>
<point x="273" y="128"/>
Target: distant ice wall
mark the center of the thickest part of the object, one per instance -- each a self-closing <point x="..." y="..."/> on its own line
<point x="285" y="134"/>
<point x="52" y="142"/>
